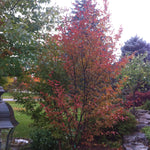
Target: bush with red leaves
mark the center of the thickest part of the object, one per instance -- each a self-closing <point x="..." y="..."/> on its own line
<point x="140" y="98"/>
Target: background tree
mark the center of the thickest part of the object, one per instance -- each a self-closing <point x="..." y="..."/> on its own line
<point x="34" y="81"/>
<point x="137" y="73"/>
<point x="22" y="29"/>
<point x="137" y="70"/>
<point x="136" y="45"/>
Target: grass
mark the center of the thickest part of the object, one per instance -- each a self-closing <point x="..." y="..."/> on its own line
<point x="146" y="130"/>
<point x="24" y="128"/>
<point x="7" y="95"/>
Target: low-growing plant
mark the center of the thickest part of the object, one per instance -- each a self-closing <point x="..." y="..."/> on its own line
<point x="146" y="130"/>
<point x="116" y="133"/>
<point x="146" y="105"/>
<point x="138" y="99"/>
<point x="124" y="127"/>
<point x="42" y="140"/>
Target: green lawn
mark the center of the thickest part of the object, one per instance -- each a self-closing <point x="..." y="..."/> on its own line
<point x="7" y="95"/>
<point x="24" y="128"/>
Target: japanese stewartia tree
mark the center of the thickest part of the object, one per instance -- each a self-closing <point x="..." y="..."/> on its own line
<point x="79" y="113"/>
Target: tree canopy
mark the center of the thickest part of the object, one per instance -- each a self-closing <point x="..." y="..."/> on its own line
<point x="136" y="45"/>
<point x="22" y="28"/>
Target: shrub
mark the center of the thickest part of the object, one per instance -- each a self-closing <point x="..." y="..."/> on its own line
<point x="43" y="140"/>
<point x="121" y="128"/>
<point x="138" y="99"/>
<point x="127" y="126"/>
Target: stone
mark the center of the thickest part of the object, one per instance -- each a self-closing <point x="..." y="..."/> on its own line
<point x="138" y="140"/>
<point x="136" y="137"/>
<point x="138" y="146"/>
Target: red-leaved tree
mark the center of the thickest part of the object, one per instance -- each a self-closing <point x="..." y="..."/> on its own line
<point x="91" y="102"/>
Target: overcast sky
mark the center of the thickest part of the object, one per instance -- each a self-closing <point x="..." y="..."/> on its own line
<point x="133" y="15"/>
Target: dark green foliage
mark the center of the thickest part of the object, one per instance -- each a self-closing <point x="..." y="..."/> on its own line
<point x="2" y="81"/>
<point x="43" y="140"/>
<point x="10" y="66"/>
<point x="146" y="105"/>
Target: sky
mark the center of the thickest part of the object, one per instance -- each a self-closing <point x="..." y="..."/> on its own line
<point x="132" y="15"/>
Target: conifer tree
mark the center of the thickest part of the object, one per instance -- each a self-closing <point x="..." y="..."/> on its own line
<point x="136" y="45"/>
